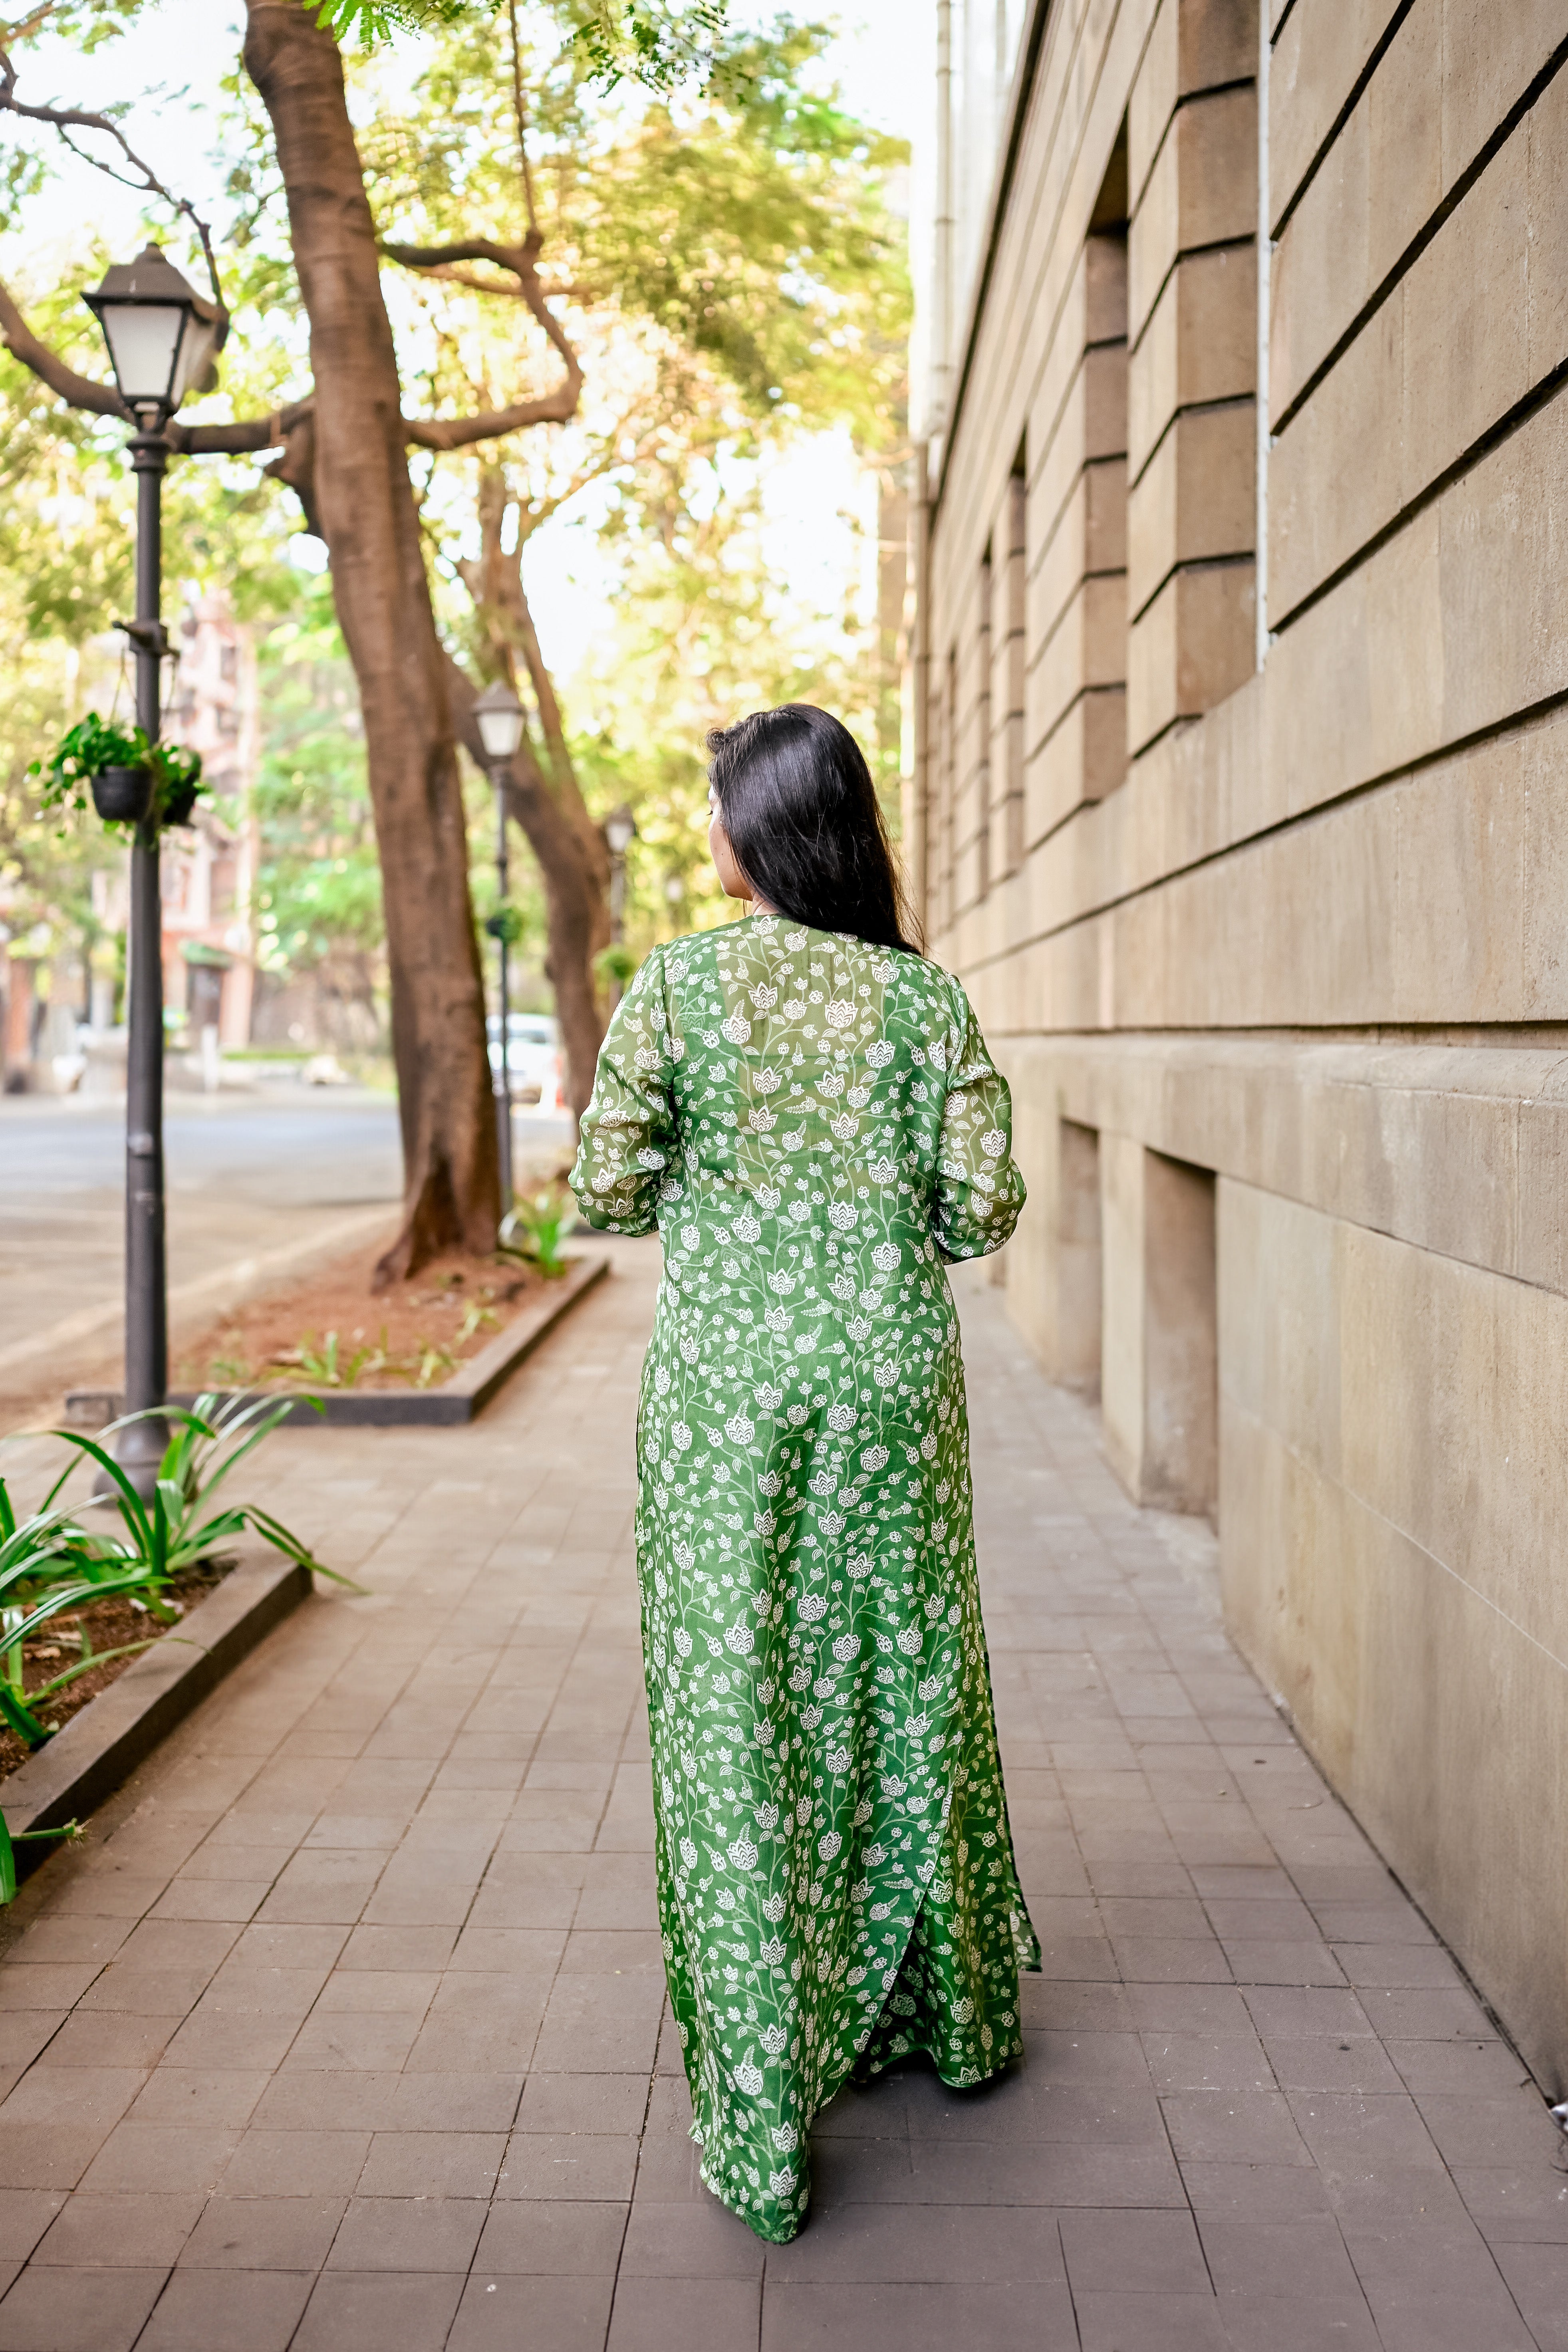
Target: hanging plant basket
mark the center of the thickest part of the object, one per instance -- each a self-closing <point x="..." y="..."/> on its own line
<point x="180" y="806"/>
<point x="122" y="795"/>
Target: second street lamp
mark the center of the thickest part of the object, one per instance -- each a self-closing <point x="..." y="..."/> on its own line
<point x="498" y="714"/>
<point x="162" y="339"/>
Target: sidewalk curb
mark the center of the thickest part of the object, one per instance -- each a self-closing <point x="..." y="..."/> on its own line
<point x="102" y="1745"/>
<point x="455" y="1402"/>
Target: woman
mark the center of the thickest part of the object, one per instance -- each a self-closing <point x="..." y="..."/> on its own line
<point x="807" y="1110"/>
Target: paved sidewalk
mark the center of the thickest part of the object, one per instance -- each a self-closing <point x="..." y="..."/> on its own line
<point x="346" y="2029"/>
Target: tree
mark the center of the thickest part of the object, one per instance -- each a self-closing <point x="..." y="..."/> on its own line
<point x="345" y="452"/>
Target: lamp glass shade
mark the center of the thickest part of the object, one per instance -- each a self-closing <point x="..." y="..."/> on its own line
<point x="163" y="336"/>
<point x="620" y="831"/>
<point x="144" y="341"/>
<point x="499" y="717"/>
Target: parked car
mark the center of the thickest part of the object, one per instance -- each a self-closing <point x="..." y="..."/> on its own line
<point x="533" y="1058"/>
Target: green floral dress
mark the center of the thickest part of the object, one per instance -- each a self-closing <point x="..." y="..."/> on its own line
<point x="815" y="1125"/>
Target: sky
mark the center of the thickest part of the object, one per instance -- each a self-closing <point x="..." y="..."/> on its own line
<point x="170" y="65"/>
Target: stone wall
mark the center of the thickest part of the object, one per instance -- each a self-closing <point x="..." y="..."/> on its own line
<point x="1272" y="940"/>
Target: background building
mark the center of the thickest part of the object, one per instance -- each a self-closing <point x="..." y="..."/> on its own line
<point x="1240" y="802"/>
<point x="209" y="868"/>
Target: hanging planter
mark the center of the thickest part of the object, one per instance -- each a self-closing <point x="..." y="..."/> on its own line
<point x="122" y="795"/>
<point x="129" y="778"/>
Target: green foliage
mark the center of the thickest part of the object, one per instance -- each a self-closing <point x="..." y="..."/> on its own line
<point x="318" y="896"/>
<point x="93" y="744"/>
<point x="181" y="1527"/>
<point x="48" y="1565"/>
<point x="648" y="41"/>
<point x="537" y="1227"/>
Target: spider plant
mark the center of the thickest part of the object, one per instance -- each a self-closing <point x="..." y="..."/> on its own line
<point x="180" y="1528"/>
<point x="537" y="1227"/>
<point x="10" y="1839"/>
<point x="48" y="1565"/>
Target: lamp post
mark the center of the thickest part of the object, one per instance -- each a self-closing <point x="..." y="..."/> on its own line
<point x="620" y="831"/>
<point x="162" y="339"/>
<point x="499" y="717"/>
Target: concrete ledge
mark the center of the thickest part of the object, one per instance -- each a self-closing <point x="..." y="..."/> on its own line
<point x="103" y="1745"/>
<point x="456" y="1402"/>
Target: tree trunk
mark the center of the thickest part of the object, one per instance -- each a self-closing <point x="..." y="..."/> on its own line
<point x="576" y="923"/>
<point x="365" y="502"/>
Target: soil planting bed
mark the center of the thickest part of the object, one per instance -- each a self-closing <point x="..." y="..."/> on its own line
<point x="325" y="1332"/>
<point x="107" y="1625"/>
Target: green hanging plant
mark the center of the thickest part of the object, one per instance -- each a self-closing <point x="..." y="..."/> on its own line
<point x="94" y="745"/>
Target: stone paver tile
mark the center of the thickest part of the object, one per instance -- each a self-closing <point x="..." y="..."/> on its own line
<point x="1375" y="2127"/>
<point x="583" y="2103"/>
<point x="243" y="2311"/>
<point x="343" y="2040"/>
<point x="1537" y="2278"/>
<point x="1148" y="2254"/>
<point x="1316" y="2062"/>
<point x="1451" y="2325"/>
<point x="1515" y="2204"/>
<point x="575" y="2164"/>
<point x="134" y="2228"/>
<point x="297" y="2164"/>
<point x="401" y="2233"/>
<point x="1230" y="2126"/>
<point x="1187" y="2009"/>
<point x="432" y="2164"/>
<point x="1150" y="2323"/>
<point x="1263" y="2193"/>
<point x="1293" y="2011"/>
<point x="78" y="2310"/>
<point x="1418" y="1965"/>
<point x="46" y="2156"/>
<point x="569" y="2315"/>
<point x="959" y="2172"/>
<point x="1207" y="2062"/>
<point x="1323" y="2324"/>
<point x="688" y="2240"/>
<point x="1168" y="1959"/>
<point x="264" y="2234"/>
<point x="877" y="2244"/>
<point x="1264" y="2258"/>
<point x="554" y="2238"/>
<point x="24" y="2216"/>
<point x="176" y="2156"/>
<point x="217" y="2039"/>
<point x="898" y="2318"/>
<point x="232" y="1900"/>
<point x="420" y="1950"/>
<point x="372" y="2311"/>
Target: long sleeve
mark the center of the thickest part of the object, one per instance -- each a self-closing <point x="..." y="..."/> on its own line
<point x="628" y="1143"/>
<point x="979" y="1191"/>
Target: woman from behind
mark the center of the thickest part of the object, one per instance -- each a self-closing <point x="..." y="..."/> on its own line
<point x="807" y="1110"/>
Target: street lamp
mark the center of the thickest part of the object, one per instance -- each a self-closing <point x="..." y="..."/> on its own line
<point x="620" y="831"/>
<point x="498" y="714"/>
<point x="164" y="339"/>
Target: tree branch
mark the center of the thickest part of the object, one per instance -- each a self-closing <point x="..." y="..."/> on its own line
<point x="67" y="119"/>
<point x="76" y="391"/>
<point x="521" y="262"/>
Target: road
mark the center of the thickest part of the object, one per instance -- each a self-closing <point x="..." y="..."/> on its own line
<point x="247" y="1174"/>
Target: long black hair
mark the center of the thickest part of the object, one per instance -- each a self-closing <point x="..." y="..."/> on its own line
<point x="801" y="812"/>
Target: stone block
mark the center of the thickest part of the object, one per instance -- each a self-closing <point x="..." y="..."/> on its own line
<point x="1086" y="648"/>
<point x="1195" y="499"/>
<point x="1193" y="46"/>
<point x="1082" y="759"/>
<point x="1105" y="288"/>
<point x="1190" y="648"/>
<point x="1403" y="104"/>
<point x="1317" y="61"/>
<point x="1105" y="515"/>
<point x="1201" y="191"/>
<point x="1319" y="278"/>
<point x="1199" y="344"/>
<point x="1490" y="58"/>
<point x="1075" y="1357"/>
<point x="1158" y="1341"/>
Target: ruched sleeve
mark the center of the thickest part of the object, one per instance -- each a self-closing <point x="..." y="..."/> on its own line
<point x="979" y="1191"/>
<point x="628" y="1143"/>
